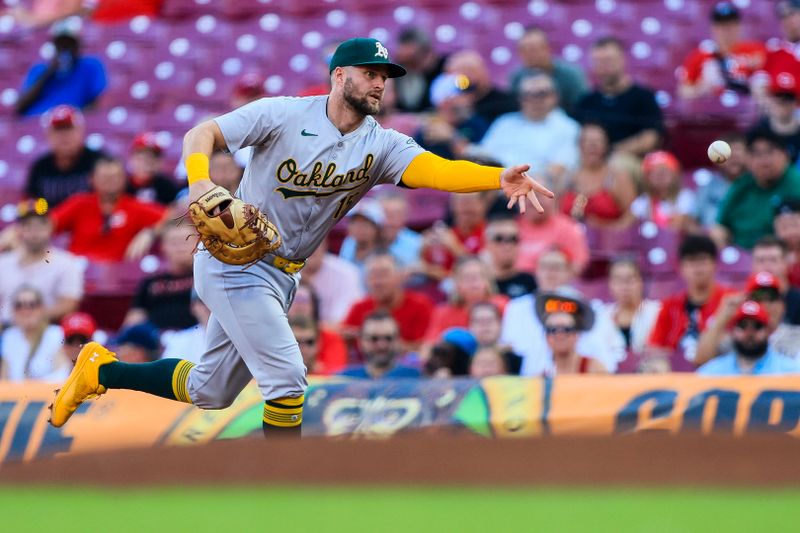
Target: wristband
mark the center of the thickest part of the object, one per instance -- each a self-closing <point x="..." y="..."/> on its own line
<point x="197" y="167"/>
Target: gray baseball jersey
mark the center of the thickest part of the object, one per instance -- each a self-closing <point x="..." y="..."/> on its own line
<point x="303" y="173"/>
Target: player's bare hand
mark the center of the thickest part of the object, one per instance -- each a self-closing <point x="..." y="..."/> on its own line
<point x="517" y="186"/>
<point x="199" y="188"/>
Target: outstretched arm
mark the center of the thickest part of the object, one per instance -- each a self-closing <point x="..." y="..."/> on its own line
<point x="434" y="172"/>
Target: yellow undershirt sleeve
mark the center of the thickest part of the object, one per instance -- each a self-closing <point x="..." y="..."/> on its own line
<point x="434" y="172"/>
<point x="197" y="165"/>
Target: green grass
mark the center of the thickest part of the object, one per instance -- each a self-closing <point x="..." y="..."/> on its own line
<point x="487" y="510"/>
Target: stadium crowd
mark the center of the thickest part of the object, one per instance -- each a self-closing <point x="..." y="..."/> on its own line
<point x="638" y="265"/>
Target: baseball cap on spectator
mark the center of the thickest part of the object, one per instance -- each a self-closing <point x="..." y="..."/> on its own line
<point x="78" y="324"/>
<point x="659" y="158"/>
<point x="143" y="335"/>
<point x="750" y="310"/>
<point x="147" y="141"/>
<point x="445" y="86"/>
<point x="566" y="300"/>
<point x="370" y="209"/>
<point x="62" y="117"/>
<point x="249" y="85"/>
<point x="763" y="286"/>
<point x="783" y="83"/>
<point x="788" y="206"/>
<point x="725" y="12"/>
<point x="32" y="208"/>
<point x="784" y="8"/>
<point x="462" y="339"/>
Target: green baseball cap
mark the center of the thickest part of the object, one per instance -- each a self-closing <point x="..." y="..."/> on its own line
<point x="364" y="51"/>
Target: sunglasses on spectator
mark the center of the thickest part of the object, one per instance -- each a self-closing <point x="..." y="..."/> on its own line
<point x="553" y="330"/>
<point x="27" y="304"/>
<point x="507" y="239"/>
<point x="765" y="295"/>
<point x="76" y="339"/>
<point x="311" y="341"/>
<point x="544" y="93"/>
<point x="378" y="338"/>
<point x="750" y="324"/>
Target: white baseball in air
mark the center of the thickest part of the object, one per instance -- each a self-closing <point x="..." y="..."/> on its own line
<point x="719" y="152"/>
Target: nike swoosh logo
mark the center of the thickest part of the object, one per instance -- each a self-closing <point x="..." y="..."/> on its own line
<point x="304" y="133"/>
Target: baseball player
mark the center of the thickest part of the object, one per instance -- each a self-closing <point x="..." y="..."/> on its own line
<point x="313" y="159"/>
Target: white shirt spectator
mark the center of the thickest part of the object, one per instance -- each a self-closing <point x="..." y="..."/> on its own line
<point x="61" y="276"/>
<point x="338" y="285"/>
<point x="189" y="344"/>
<point x="45" y="364"/>
<point x="524" y="333"/>
<point x="641" y="326"/>
<point x="683" y="204"/>
<point x="553" y="141"/>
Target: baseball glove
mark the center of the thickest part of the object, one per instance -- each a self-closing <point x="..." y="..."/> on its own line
<point x="233" y="231"/>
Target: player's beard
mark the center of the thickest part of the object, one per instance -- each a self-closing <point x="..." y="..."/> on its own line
<point x="361" y="104"/>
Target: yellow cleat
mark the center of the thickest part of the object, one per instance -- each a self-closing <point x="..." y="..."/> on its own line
<point x="82" y="384"/>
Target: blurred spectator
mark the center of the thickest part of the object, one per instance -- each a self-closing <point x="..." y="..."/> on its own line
<point x="379" y="341"/>
<point x="364" y="224"/>
<point x="31" y="346"/>
<point x="139" y="343"/>
<point x="65" y="169"/>
<point x="404" y="244"/>
<point x="664" y="201"/>
<point x="488" y="361"/>
<point x="103" y="223"/>
<point x="490" y="102"/>
<point x="540" y="134"/>
<point x="748" y="210"/>
<point x="782" y="51"/>
<point x="443" y="246"/>
<point x="764" y="288"/>
<point x="78" y="329"/>
<point x="389" y="117"/>
<point x="45" y="12"/>
<point x="249" y="88"/>
<point x="307" y="333"/>
<point x="452" y="355"/>
<point x="485" y="323"/>
<point x="536" y="56"/>
<point x="57" y="274"/>
<point x="553" y="270"/>
<point x="472" y="284"/>
<point x="67" y="79"/>
<point x="628" y="111"/>
<point x="225" y="170"/>
<point x="164" y="299"/>
<point x="684" y="317"/>
<point x="411" y="311"/>
<point x="724" y="62"/>
<point x="780" y="106"/>
<point x="633" y="315"/>
<point x="787" y="229"/>
<point x="771" y="255"/>
<point x="416" y="53"/>
<point x="561" y="330"/>
<point x="542" y="231"/>
<point x="709" y="195"/>
<point x="189" y="343"/>
<point x="454" y="125"/>
<point x="596" y="192"/>
<point x="752" y="353"/>
<point x="523" y="330"/>
<point x="332" y="351"/>
<point x="146" y="181"/>
<point x="502" y="250"/>
<point x="336" y="281"/>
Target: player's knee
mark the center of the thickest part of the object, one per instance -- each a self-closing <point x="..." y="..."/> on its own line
<point x="219" y="400"/>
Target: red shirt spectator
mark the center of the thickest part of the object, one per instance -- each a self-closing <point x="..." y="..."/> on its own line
<point x="446" y="316"/>
<point x="674" y="319"/>
<point x="540" y="232"/>
<point x="103" y="223"/>
<point x="443" y="246"/>
<point x="332" y="355"/>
